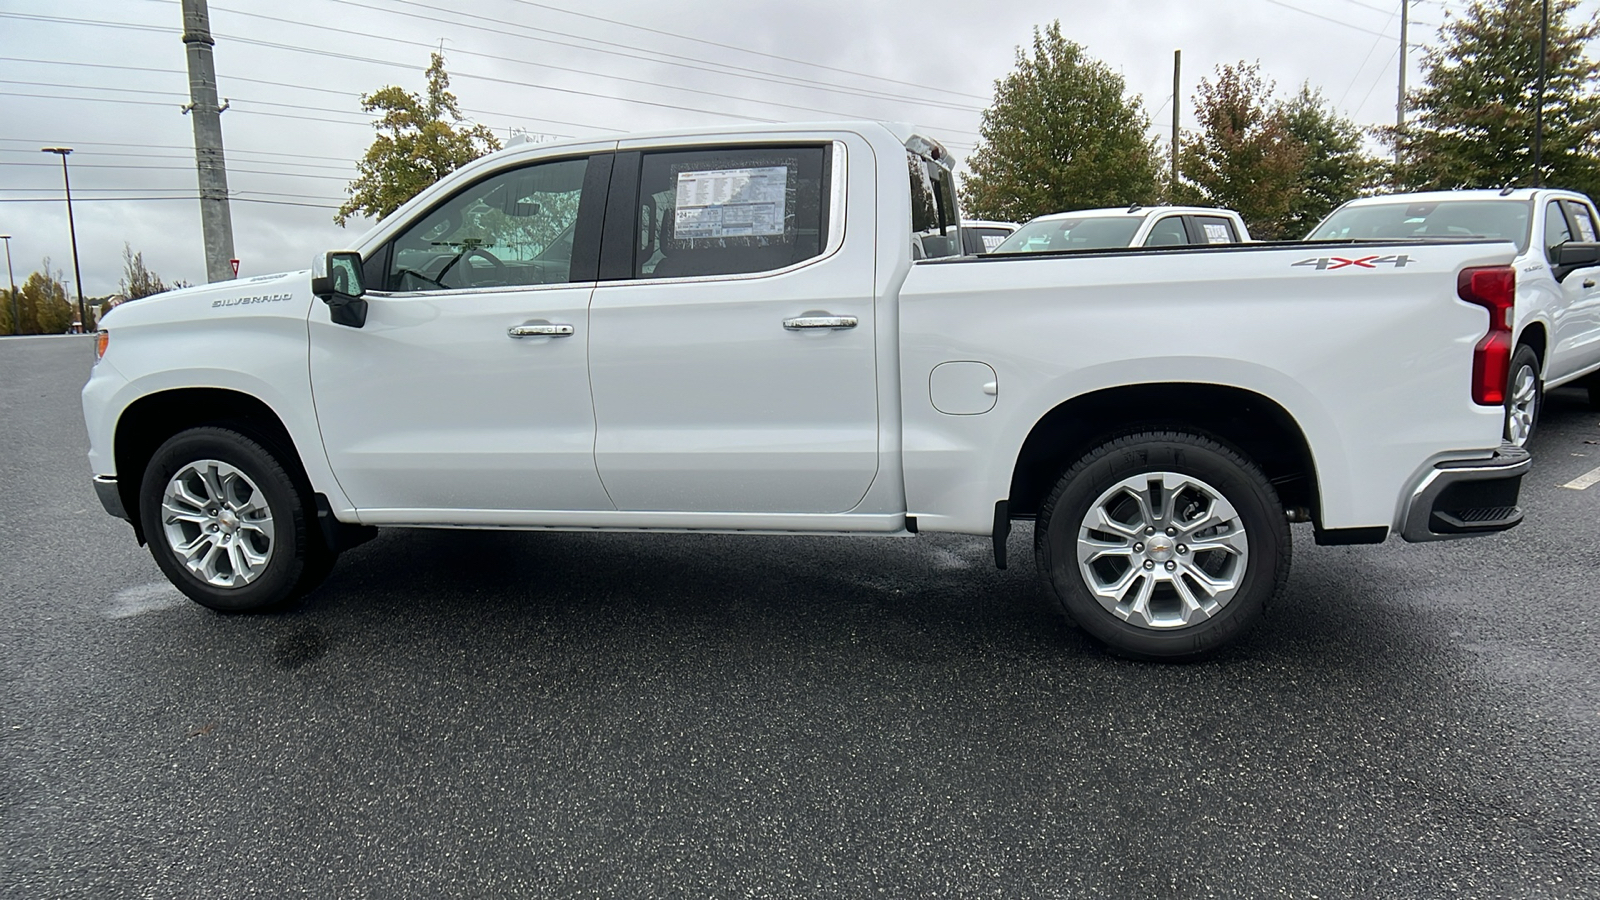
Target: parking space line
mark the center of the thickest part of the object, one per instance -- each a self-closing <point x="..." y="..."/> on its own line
<point x="1585" y="481"/>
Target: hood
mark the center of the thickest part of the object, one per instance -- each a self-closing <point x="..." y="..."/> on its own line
<point x="287" y="293"/>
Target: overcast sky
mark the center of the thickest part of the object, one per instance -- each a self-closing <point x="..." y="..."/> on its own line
<point x="106" y="77"/>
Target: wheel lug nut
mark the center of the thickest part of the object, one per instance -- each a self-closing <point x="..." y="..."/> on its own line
<point x="1138" y="548"/>
<point x="213" y="528"/>
<point x="1171" y="565"/>
<point x="1172" y="532"/>
<point x="1182" y="548"/>
<point x="1149" y="531"/>
<point x="1149" y="564"/>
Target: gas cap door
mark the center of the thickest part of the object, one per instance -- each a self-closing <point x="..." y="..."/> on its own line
<point x="963" y="388"/>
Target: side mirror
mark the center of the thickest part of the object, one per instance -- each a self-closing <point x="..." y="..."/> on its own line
<point x="1573" y="256"/>
<point x="336" y="279"/>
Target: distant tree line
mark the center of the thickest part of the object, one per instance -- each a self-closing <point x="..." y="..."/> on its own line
<point x="42" y="306"/>
<point x="1062" y="133"/>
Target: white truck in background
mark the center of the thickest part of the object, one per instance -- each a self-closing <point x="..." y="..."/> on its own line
<point x="1556" y="333"/>
<point x="1132" y="226"/>
<point x="726" y="331"/>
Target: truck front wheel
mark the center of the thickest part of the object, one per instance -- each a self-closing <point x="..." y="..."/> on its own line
<point x="1163" y="545"/>
<point x="227" y="524"/>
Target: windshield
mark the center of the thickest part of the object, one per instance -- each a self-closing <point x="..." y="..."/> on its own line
<point x="1088" y="233"/>
<point x="1505" y="220"/>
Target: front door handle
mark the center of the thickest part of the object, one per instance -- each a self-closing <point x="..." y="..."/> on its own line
<point x="1588" y="283"/>
<point x="800" y="322"/>
<point x="540" y="329"/>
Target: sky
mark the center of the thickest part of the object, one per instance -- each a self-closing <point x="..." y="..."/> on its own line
<point x="106" y="77"/>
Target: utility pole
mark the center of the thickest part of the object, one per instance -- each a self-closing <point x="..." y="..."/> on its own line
<point x="72" y="229"/>
<point x="1400" y="102"/>
<point x="1538" y="109"/>
<point x="216" y="221"/>
<point x="1177" y="87"/>
<point x="16" y="313"/>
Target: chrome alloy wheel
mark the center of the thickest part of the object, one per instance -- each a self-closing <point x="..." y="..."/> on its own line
<point x="218" y="523"/>
<point x="1523" y="407"/>
<point x="1162" y="550"/>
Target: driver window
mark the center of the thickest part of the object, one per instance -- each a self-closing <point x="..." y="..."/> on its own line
<point x="514" y="228"/>
<point x="1556" y="232"/>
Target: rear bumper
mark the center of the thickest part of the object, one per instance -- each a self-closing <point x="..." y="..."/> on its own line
<point x="1466" y="498"/>
<point x="105" y="487"/>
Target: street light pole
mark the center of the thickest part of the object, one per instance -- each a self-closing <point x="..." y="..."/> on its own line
<point x="72" y="228"/>
<point x="16" y="314"/>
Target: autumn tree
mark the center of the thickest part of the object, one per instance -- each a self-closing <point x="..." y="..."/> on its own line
<point x="420" y="140"/>
<point x="42" y="303"/>
<point x="1335" y="166"/>
<point x="1061" y="134"/>
<point x="1472" y="121"/>
<point x="1243" y="157"/>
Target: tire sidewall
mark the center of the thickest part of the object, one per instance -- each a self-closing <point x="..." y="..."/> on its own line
<point x="1239" y="482"/>
<point x="1524" y="357"/>
<point x="277" y="583"/>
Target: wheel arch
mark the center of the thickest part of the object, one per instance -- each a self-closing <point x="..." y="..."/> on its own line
<point x="1254" y="425"/>
<point x="151" y="420"/>
<point x="1536" y="336"/>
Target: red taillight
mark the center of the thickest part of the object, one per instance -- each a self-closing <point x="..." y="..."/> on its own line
<point x="1494" y="288"/>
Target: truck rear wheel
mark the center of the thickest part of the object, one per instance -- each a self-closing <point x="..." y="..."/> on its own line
<point x="1524" y="396"/>
<point x="1163" y="545"/>
<point x="227" y="524"/>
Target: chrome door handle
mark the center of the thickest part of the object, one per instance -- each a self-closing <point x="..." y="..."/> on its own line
<point x="800" y="322"/>
<point x="541" y="330"/>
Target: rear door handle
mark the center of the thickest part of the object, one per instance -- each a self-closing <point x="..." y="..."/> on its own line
<point x="1589" y="283"/>
<point x="799" y="322"/>
<point x="540" y="329"/>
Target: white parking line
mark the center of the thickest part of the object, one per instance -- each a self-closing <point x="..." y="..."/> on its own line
<point x="1585" y="481"/>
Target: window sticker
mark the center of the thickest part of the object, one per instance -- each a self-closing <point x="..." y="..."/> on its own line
<point x="991" y="241"/>
<point x="730" y="203"/>
<point x="1217" y="234"/>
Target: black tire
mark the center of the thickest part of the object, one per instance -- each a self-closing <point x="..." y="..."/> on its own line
<point x="1238" y="481"/>
<point x="295" y="559"/>
<point x="1522" y="414"/>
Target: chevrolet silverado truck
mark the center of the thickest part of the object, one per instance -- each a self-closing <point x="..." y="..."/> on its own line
<point x="1133" y="226"/>
<point x="1556" y="330"/>
<point x="726" y="331"/>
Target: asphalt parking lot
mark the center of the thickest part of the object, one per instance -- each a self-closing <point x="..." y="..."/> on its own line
<point x="460" y="714"/>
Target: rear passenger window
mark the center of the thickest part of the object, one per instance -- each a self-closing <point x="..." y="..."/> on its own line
<point x="1216" y="230"/>
<point x="731" y="211"/>
<point x="1167" y="233"/>
<point x="1582" y="222"/>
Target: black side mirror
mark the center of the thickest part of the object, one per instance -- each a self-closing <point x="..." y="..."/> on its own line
<point x="336" y="279"/>
<point x="1573" y="256"/>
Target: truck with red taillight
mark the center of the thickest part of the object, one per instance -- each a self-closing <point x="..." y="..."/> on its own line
<point x="1554" y="331"/>
<point x="734" y="331"/>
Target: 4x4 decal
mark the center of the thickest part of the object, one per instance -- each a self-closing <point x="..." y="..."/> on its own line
<point x="1330" y="263"/>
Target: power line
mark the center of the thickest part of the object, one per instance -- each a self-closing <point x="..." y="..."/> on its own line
<point x="498" y="26"/>
<point x="801" y="62"/>
<point x="1324" y="18"/>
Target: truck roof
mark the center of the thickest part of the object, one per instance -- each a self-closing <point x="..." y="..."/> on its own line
<point x="1136" y="211"/>
<point x="1442" y="196"/>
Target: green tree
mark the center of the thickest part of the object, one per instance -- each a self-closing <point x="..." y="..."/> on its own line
<point x="1472" y="121"/>
<point x="43" y="305"/>
<point x="138" y="281"/>
<point x="1336" y="168"/>
<point x="1244" y="157"/>
<point x="1061" y="134"/>
<point x="420" y="140"/>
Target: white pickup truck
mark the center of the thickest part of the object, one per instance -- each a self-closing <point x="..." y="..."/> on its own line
<point x="726" y="331"/>
<point x="1133" y="226"/>
<point x="1556" y="333"/>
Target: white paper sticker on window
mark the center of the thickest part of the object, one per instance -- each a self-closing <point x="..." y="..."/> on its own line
<point x="991" y="241"/>
<point x="1585" y="226"/>
<point x="1217" y="234"/>
<point x="730" y="203"/>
